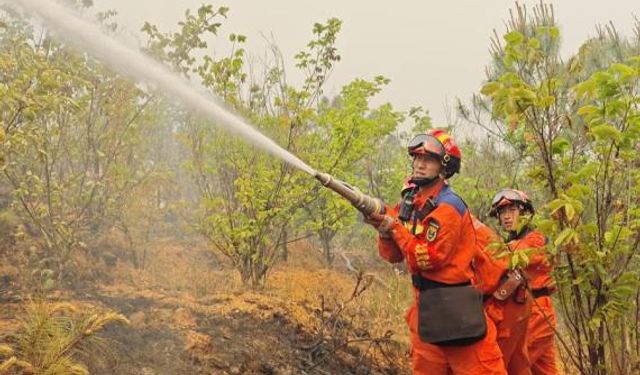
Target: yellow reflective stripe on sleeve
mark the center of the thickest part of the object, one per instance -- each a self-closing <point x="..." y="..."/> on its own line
<point x="422" y="257"/>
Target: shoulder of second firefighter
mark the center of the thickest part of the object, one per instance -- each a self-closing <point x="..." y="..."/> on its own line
<point x="535" y="238"/>
<point x="449" y="197"/>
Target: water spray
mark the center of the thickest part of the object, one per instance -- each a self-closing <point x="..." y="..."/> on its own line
<point x="130" y="62"/>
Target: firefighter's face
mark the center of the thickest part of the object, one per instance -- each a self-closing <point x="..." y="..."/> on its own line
<point x="425" y="166"/>
<point x="509" y="216"/>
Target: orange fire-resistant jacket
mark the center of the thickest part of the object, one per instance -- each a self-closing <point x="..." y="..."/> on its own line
<point x="511" y="317"/>
<point x="539" y="268"/>
<point x="540" y="330"/>
<point x="441" y="249"/>
<point x="488" y="269"/>
<point x="444" y="241"/>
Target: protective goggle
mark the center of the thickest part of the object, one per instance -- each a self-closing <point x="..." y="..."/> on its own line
<point x="508" y="195"/>
<point x="426" y="143"/>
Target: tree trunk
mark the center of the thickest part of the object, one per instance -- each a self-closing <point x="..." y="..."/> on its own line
<point x="131" y="247"/>
<point x="326" y="239"/>
<point x="284" y="247"/>
<point x="259" y="275"/>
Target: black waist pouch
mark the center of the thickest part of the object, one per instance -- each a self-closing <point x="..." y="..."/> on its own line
<point x="449" y="314"/>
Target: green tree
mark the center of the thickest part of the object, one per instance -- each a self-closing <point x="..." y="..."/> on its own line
<point x="582" y="137"/>
<point x="348" y="131"/>
<point x="248" y="199"/>
<point x="73" y="141"/>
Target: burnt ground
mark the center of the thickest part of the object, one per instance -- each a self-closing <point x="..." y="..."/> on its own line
<point x="247" y="333"/>
<point x="188" y="316"/>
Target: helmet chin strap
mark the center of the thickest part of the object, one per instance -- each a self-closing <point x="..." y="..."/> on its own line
<point x="424" y="181"/>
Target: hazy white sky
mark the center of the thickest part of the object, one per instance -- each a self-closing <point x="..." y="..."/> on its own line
<point x="433" y="51"/>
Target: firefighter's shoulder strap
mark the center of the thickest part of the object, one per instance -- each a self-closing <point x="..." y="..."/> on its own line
<point x="420" y="214"/>
<point x="446" y="195"/>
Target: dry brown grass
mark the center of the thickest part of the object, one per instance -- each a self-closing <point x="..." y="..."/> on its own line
<point x="305" y="278"/>
<point x="183" y="292"/>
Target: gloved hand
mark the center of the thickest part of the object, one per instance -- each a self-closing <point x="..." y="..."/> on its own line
<point x="381" y="222"/>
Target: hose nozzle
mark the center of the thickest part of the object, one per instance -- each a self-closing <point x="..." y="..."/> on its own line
<point x="364" y="203"/>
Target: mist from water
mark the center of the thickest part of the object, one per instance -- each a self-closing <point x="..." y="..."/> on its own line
<point x="128" y="61"/>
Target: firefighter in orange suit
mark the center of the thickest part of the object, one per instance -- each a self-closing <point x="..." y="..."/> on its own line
<point x="510" y="313"/>
<point x="431" y="230"/>
<point x="514" y="209"/>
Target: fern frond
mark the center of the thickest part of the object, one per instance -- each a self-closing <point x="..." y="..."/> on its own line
<point x="97" y="322"/>
<point x="78" y="370"/>
<point x="63" y="307"/>
<point x="14" y="362"/>
<point x="6" y="350"/>
<point x="55" y="335"/>
<point x="7" y="365"/>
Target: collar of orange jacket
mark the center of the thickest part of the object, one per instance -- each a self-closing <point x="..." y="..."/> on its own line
<point x="513" y="235"/>
<point x="428" y="192"/>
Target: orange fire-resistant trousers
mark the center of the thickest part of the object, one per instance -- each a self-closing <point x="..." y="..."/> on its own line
<point x="480" y="358"/>
<point x="511" y="320"/>
<point x="540" y="338"/>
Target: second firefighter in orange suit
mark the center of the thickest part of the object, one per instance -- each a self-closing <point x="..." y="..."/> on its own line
<point x="510" y="314"/>
<point x="514" y="210"/>
<point x="437" y="247"/>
